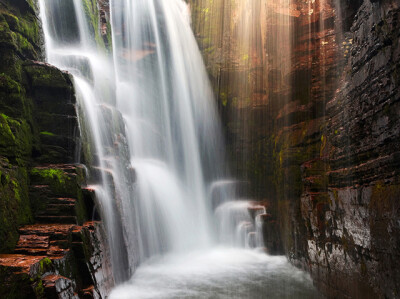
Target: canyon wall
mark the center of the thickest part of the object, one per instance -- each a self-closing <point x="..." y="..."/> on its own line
<point x="309" y="95"/>
<point x="49" y="245"/>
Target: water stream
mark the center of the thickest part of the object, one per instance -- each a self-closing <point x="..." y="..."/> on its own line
<point x="152" y="142"/>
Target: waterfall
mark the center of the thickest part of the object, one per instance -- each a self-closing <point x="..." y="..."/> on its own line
<point x="151" y="135"/>
<point x="152" y="143"/>
<point x="239" y="223"/>
<point x="71" y="45"/>
<point x="171" y="123"/>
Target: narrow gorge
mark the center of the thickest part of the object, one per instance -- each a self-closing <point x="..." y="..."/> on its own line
<point x="199" y="149"/>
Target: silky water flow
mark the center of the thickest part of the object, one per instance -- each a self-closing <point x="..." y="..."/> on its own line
<point x="152" y="142"/>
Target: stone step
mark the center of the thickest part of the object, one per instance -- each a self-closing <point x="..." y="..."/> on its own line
<point x="19" y="263"/>
<point x="58" y="210"/>
<point x="33" y="241"/>
<point x="40" y="245"/>
<point x="64" y="244"/>
<point x="56" y="251"/>
<point x="40" y="191"/>
<point x="62" y="200"/>
<point x="55" y="231"/>
<point x="32" y="251"/>
<point x="56" y="219"/>
<point x="20" y="270"/>
<point x="43" y="192"/>
<point x="51" y="251"/>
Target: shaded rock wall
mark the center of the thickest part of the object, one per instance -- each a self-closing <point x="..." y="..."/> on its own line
<point x="309" y="95"/>
<point x="48" y="249"/>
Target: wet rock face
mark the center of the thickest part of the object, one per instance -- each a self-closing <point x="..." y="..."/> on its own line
<point x="362" y="209"/>
<point x="38" y="123"/>
<point x="56" y="261"/>
<point x="48" y="249"/>
<point x="319" y="136"/>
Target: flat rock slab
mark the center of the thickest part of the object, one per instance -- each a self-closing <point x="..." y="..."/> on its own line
<point x="48" y="229"/>
<point x="19" y="263"/>
<point x="33" y="241"/>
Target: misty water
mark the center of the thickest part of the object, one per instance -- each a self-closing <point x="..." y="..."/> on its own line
<point x="218" y="273"/>
<point x="153" y="145"/>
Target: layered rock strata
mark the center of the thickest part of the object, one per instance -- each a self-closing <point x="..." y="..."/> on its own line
<point x="309" y="93"/>
<point x="48" y="248"/>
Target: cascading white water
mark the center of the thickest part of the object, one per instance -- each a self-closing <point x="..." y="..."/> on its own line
<point x="153" y="92"/>
<point x="152" y="141"/>
<point x="171" y="124"/>
<point x="72" y="46"/>
<point x="239" y="223"/>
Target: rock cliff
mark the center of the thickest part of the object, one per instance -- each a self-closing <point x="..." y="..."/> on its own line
<point x="48" y="246"/>
<point x="309" y="94"/>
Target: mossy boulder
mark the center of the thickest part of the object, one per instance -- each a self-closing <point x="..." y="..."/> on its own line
<point x="44" y="75"/>
<point x="19" y="33"/>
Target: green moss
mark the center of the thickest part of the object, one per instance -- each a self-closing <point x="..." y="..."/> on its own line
<point x="11" y="65"/>
<point x="20" y="34"/>
<point x="39" y="289"/>
<point x="45" y="264"/>
<point x="323" y="144"/>
<point x="46" y="76"/>
<point x="15" y="137"/>
<point x="47" y="133"/>
<point x="8" y="85"/>
<point x="24" y="45"/>
<point x="7" y="137"/>
<point x="109" y="37"/>
<point x="223" y="98"/>
<point x="14" y="204"/>
<point x="16" y="190"/>
<point x="57" y="174"/>
<point x="92" y="14"/>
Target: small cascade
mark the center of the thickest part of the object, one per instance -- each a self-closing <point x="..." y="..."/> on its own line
<point x="71" y="45"/>
<point x="259" y="242"/>
<point x="221" y="191"/>
<point x="240" y="223"/>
